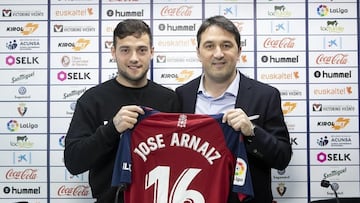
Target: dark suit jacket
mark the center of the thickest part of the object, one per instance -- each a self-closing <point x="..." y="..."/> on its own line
<point x="270" y="148"/>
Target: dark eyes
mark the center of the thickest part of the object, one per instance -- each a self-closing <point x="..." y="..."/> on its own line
<point x="141" y="50"/>
<point x="223" y="46"/>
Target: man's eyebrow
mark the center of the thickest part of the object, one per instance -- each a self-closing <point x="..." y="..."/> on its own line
<point x="208" y="41"/>
<point x="212" y="41"/>
<point x="137" y="47"/>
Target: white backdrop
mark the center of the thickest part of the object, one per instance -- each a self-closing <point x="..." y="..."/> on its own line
<point x="52" y="51"/>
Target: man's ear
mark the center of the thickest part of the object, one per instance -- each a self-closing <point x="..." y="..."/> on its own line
<point x="113" y="51"/>
<point x="198" y="53"/>
<point x="152" y="51"/>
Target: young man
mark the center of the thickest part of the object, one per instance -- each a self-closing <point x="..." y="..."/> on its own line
<point x="105" y="111"/>
<point x="223" y="89"/>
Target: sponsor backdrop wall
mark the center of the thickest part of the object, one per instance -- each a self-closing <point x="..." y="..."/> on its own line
<point x="52" y="51"/>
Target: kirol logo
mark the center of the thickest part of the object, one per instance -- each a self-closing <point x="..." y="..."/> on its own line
<point x="13" y="125"/>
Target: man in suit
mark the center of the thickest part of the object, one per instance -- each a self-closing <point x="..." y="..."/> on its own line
<point x="223" y="89"/>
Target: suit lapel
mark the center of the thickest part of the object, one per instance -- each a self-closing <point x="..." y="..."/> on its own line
<point x="243" y="98"/>
<point x="190" y="99"/>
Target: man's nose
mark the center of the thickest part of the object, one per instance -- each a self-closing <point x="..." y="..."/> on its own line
<point x="218" y="53"/>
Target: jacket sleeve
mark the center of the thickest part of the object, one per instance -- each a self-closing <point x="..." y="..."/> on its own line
<point x="88" y="140"/>
<point x="271" y="142"/>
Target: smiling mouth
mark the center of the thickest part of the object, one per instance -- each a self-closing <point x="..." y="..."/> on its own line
<point x="218" y="63"/>
<point x="134" y="67"/>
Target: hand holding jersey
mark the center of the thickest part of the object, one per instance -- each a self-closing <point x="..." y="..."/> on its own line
<point x="237" y="119"/>
<point x="126" y="117"/>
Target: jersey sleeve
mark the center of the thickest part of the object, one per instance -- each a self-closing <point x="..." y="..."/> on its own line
<point x="122" y="167"/>
<point x="242" y="183"/>
<point x="123" y="161"/>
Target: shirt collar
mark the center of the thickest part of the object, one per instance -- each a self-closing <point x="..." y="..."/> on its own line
<point x="232" y="89"/>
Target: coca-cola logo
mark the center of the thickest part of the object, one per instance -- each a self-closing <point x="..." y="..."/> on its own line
<point x="179" y="11"/>
<point x="78" y="191"/>
<point x="26" y="174"/>
<point x="286" y="42"/>
<point x="335" y="59"/>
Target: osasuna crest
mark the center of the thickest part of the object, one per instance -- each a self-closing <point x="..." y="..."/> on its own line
<point x="281" y="189"/>
<point x="22" y="109"/>
<point x="182" y="121"/>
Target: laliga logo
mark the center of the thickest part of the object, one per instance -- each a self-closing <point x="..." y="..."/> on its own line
<point x="13" y="125"/>
<point x="240" y="172"/>
<point x="240" y="167"/>
<point x="322" y="10"/>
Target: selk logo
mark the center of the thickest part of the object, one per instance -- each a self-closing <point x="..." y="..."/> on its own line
<point x="333" y="157"/>
<point x="11" y="60"/>
<point x="62" y="75"/>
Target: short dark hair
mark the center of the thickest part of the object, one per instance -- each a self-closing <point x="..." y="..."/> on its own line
<point x="132" y="27"/>
<point x="221" y="22"/>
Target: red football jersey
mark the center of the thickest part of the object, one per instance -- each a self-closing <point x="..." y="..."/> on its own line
<point x="177" y="157"/>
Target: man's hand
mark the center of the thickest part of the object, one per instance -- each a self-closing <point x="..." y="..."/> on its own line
<point x="126" y="117"/>
<point x="239" y="121"/>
